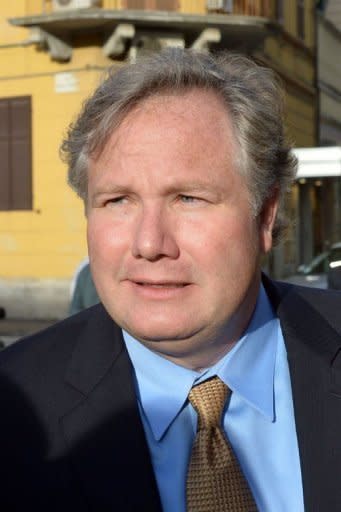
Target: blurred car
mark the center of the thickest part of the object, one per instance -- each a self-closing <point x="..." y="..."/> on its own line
<point x="325" y="266"/>
<point x="334" y="267"/>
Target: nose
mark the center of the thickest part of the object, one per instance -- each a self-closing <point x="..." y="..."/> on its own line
<point x="155" y="235"/>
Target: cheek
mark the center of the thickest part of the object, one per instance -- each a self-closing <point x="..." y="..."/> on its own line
<point x="217" y="254"/>
<point x="104" y="241"/>
<point x="227" y="238"/>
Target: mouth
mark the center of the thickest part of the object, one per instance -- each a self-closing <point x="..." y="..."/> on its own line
<point x="166" y="284"/>
<point x="158" y="289"/>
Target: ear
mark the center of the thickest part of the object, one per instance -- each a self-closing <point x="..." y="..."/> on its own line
<point x="267" y="219"/>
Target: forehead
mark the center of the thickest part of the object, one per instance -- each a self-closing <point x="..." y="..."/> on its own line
<point x="197" y="117"/>
<point x="167" y="143"/>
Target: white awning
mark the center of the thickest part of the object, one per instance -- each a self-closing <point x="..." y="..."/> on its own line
<point x="322" y="162"/>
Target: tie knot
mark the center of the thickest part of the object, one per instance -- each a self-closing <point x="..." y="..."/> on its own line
<point x="208" y="399"/>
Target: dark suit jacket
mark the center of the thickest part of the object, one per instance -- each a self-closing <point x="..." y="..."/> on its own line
<point x="70" y="433"/>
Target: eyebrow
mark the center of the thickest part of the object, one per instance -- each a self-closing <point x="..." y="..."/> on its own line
<point x="194" y="187"/>
<point x="172" y="188"/>
<point x="112" y="189"/>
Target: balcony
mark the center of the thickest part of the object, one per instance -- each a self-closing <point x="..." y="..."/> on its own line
<point x="61" y="21"/>
<point x="262" y="8"/>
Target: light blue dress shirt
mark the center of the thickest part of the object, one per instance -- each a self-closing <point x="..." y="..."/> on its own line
<point x="259" y="421"/>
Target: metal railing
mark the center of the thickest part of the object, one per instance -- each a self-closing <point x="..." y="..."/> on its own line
<point x="266" y="8"/>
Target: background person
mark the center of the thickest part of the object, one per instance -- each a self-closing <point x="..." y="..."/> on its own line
<point x="84" y="292"/>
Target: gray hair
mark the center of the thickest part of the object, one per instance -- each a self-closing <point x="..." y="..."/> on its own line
<point x="253" y="97"/>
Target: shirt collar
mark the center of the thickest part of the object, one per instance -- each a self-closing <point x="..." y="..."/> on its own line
<point x="162" y="386"/>
<point x="248" y="369"/>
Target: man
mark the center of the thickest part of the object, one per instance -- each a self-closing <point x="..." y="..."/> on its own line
<point x="183" y="166"/>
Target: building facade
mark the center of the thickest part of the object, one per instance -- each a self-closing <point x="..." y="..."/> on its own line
<point x="320" y="195"/>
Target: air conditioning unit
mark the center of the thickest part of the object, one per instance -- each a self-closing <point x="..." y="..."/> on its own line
<point x="64" y="5"/>
<point x="219" y="5"/>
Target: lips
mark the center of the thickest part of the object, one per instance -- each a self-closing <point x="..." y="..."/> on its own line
<point x="157" y="291"/>
<point x="161" y="284"/>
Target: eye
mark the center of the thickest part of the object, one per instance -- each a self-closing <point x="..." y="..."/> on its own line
<point x="188" y="199"/>
<point x="115" y="200"/>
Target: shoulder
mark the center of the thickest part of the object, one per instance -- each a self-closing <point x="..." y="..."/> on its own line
<point x="47" y="374"/>
<point x="53" y="346"/>
<point x="299" y="301"/>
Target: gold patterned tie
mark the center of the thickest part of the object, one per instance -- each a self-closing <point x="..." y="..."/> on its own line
<point x="215" y="482"/>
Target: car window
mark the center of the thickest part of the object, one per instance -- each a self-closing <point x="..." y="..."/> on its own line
<point x="335" y="257"/>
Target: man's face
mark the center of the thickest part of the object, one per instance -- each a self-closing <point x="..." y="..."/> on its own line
<point x="173" y="244"/>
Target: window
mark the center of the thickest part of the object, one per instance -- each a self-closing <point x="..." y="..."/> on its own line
<point x="300" y="19"/>
<point x="15" y="154"/>
<point x="162" y="5"/>
<point x="280" y="11"/>
<point x="321" y="5"/>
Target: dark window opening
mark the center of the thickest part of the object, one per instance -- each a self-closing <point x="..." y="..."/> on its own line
<point x="300" y="19"/>
<point x="280" y="11"/>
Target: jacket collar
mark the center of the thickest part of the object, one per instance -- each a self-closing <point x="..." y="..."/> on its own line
<point x="103" y="430"/>
<point x="314" y="355"/>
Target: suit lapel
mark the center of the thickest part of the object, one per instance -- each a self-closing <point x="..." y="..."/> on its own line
<point x="313" y="348"/>
<point x="103" y="431"/>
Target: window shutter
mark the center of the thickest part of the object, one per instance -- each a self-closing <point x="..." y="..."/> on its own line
<point x="15" y="154"/>
<point x="21" y="153"/>
<point x="5" y="188"/>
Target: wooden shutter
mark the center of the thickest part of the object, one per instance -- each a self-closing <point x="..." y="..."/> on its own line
<point x="21" y="153"/>
<point x="5" y="184"/>
<point x="15" y="154"/>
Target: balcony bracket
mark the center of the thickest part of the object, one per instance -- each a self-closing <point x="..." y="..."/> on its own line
<point x="206" y="38"/>
<point x="116" y="44"/>
<point x="58" y="48"/>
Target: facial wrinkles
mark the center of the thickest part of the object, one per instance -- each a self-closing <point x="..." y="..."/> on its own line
<point x="147" y="184"/>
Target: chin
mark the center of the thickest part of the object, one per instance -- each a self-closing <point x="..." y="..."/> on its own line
<point x="152" y="334"/>
<point x="157" y="332"/>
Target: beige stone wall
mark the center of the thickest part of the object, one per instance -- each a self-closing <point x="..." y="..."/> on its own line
<point x="329" y="77"/>
<point x="329" y="54"/>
